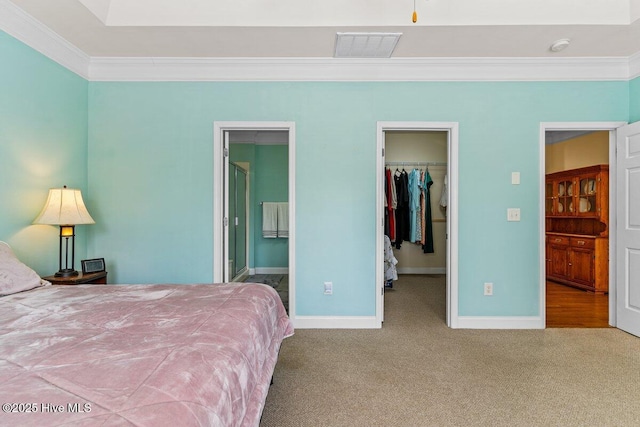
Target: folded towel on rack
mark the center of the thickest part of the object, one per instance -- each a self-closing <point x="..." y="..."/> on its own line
<point x="283" y="220"/>
<point x="269" y="220"/>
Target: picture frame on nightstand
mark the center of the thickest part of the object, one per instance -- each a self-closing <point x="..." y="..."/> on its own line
<point x="95" y="265"/>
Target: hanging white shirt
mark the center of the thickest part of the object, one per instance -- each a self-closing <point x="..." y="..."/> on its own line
<point x="444" y="198"/>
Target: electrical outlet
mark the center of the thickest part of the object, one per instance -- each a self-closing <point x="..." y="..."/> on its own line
<point x="488" y="289"/>
<point x="328" y="288"/>
<point x="515" y="178"/>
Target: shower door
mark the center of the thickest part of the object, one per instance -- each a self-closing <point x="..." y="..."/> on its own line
<point x="238" y="221"/>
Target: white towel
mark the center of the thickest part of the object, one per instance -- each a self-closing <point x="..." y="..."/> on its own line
<point x="269" y="220"/>
<point x="283" y="220"/>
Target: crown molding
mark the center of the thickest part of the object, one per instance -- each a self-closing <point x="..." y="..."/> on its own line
<point x="19" y="24"/>
<point x="634" y="66"/>
<point x="337" y="69"/>
<point x="333" y="69"/>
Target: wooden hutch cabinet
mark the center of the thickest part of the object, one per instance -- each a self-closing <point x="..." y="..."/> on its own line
<point x="577" y="227"/>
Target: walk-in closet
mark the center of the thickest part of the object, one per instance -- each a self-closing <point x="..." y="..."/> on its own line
<point x="416" y="200"/>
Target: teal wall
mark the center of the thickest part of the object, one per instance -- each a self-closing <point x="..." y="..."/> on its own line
<point x="146" y="169"/>
<point x="269" y="182"/>
<point x="150" y="159"/>
<point x="43" y="144"/>
<point x="634" y="100"/>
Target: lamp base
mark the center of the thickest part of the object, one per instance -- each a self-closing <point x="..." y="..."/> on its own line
<point x="67" y="272"/>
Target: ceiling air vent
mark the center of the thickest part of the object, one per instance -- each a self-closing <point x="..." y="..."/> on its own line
<point x="365" y="45"/>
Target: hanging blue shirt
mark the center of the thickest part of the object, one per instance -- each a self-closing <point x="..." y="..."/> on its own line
<point x="414" y="202"/>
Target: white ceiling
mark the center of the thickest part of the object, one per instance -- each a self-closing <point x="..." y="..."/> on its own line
<point x="307" y="28"/>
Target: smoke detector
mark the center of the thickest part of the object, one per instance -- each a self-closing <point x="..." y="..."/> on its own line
<point x="559" y="45"/>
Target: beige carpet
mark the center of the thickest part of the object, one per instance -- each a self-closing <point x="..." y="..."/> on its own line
<point x="417" y="372"/>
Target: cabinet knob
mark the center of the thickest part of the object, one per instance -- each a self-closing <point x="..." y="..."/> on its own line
<point x="581" y="242"/>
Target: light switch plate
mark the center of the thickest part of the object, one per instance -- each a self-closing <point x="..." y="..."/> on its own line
<point x="513" y="214"/>
<point x="328" y="288"/>
<point x="515" y="178"/>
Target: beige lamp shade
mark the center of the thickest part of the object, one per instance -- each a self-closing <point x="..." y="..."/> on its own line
<point x="64" y="206"/>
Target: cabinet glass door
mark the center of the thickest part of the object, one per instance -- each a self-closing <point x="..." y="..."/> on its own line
<point x="548" y="197"/>
<point x="564" y="196"/>
<point x="587" y="199"/>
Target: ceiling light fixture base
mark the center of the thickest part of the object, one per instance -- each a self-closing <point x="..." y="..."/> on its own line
<point x="559" y="45"/>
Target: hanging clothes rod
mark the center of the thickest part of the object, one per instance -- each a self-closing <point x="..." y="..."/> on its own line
<point x="416" y="163"/>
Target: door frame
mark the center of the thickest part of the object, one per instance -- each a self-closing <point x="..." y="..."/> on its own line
<point x="219" y="128"/>
<point x="452" y="211"/>
<point x="573" y="126"/>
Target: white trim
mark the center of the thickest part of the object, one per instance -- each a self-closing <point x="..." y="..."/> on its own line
<point x="19" y="24"/>
<point x="271" y="270"/>
<point x="542" y="226"/>
<point x="292" y="219"/>
<point x="422" y="270"/>
<point x="613" y="225"/>
<point x="486" y="322"/>
<point x="634" y="66"/>
<point x="452" y="227"/>
<point x="335" y="322"/>
<point x="452" y="215"/>
<point x="595" y="126"/>
<point x="370" y="69"/>
<point x="379" y="225"/>
<point x="219" y="127"/>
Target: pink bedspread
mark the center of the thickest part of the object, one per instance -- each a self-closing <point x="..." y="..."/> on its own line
<point x="143" y="355"/>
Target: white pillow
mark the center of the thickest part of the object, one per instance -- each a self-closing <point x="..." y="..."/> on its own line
<point x="14" y="275"/>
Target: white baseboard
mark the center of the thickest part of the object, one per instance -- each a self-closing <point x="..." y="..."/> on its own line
<point x="422" y="270"/>
<point x="335" y="322"/>
<point x="271" y="270"/>
<point x="369" y="322"/>
<point x="482" y="322"/>
<point x="252" y="272"/>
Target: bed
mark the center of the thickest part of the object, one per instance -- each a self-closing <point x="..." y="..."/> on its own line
<point x="142" y="355"/>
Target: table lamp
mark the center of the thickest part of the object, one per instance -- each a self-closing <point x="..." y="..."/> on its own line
<point x="64" y="207"/>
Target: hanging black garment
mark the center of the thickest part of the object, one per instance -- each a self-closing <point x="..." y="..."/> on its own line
<point x="387" y="224"/>
<point x="402" y="208"/>
<point x="427" y="247"/>
<point x="407" y="211"/>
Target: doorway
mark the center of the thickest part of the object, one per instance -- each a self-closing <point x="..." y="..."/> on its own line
<point x="448" y="164"/>
<point x="577" y="286"/>
<point x="577" y="228"/>
<point x="257" y="157"/>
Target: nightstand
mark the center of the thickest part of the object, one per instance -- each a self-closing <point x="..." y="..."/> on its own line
<point x="99" y="278"/>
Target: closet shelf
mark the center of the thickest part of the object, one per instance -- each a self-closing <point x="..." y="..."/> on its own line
<point x="415" y="163"/>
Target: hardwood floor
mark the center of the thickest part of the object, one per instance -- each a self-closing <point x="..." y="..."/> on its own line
<point x="569" y="307"/>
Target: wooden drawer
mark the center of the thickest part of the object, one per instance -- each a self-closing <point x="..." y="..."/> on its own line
<point x="559" y="240"/>
<point x="580" y="242"/>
